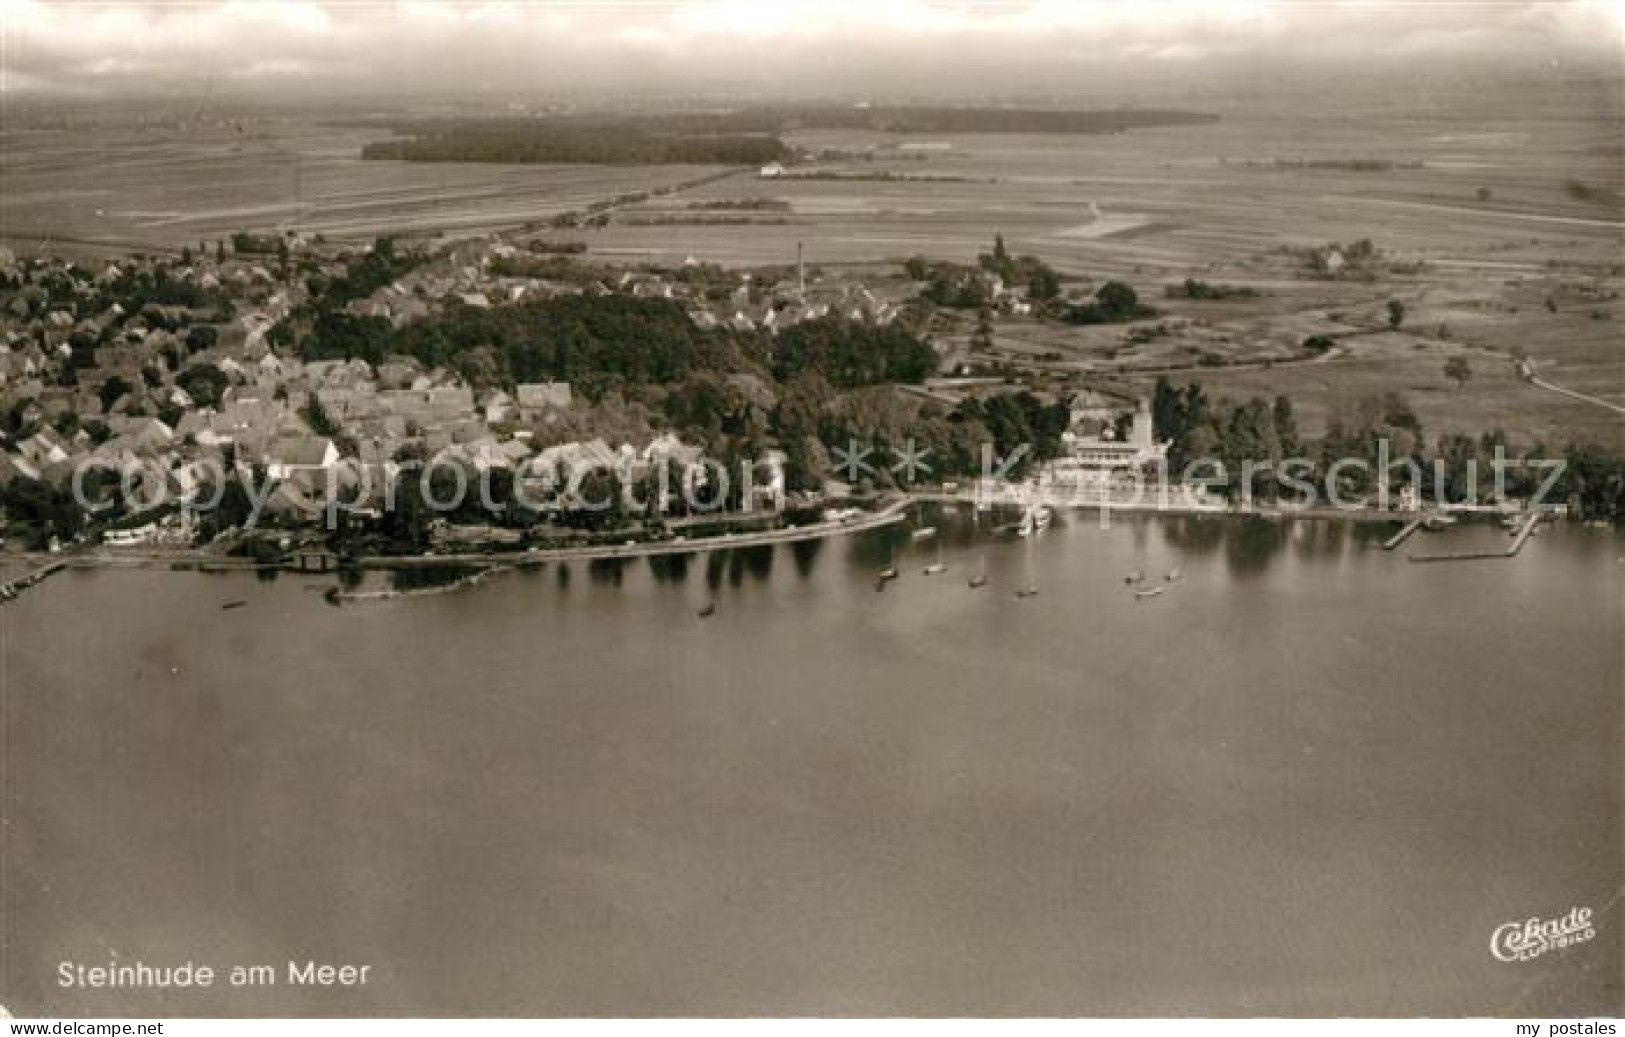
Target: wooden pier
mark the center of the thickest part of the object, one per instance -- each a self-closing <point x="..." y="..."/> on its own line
<point x="1524" y="533"/>
<point x="1403" y="535"/>
<point x="10" y="590"/>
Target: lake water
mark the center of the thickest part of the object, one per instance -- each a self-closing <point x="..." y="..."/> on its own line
<point x="1311" y="777"/>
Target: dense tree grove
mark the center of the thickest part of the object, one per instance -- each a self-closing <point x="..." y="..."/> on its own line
<point x="367" y="273"/>
<point x="552" y="142"/>
<point x="1114" y="303"/>
<point x="147" y="292"/>
<point x="1595" y="482"/>
<point x="851" y="353"/>
<point x="1014" y="419"/>
<point x="581" y="339"/>
<point x="204" y="383"/>
<point x="1029" y="272"/>
<point x="1454" y="468"/>
<point x="604" y="340"/>
<point x="957" y="286"/>
<point x="40" y="510"/>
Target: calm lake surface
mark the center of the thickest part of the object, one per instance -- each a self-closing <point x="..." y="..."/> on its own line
<point x="1311" y="777"/>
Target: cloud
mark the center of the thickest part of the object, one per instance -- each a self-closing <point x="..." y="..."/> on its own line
<point x="795" y="45"/>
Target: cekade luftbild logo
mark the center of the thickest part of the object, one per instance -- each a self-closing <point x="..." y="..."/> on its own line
<point x="1529" y="939"/>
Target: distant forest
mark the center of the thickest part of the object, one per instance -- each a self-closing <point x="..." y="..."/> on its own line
<point x="526" y="141"/>
<point x="743" y="137"/>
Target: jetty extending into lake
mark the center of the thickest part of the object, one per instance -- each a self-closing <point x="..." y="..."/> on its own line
<point x="1403" y="535"/>
<point x="1524" y="533"/>
<point x="474" y="579"/>
<point x="9" y="590"/>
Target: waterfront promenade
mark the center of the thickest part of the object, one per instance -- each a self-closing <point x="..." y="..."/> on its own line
<point x="892" y="510"/>
<point x="895" y="510"/>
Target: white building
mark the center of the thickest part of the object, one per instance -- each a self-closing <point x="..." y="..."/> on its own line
<point x="1101" y="457"/>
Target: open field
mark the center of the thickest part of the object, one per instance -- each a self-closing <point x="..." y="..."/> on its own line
<point x="145" y="188"/>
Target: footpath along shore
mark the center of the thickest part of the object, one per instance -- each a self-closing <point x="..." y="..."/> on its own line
<point x="894" y="510"/>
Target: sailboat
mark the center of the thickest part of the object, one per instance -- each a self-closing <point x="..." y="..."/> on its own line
<point x="936" y="566"/>
<point x="1035" y="519"/>
<point x="980" y="579"/>
<point x="887" y="574"/>
<point x="1031" y="589"/>
<point x="890" y="572"/>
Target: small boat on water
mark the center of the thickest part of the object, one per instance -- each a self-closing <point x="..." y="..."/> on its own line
<point x="924" y="533"/>
<point x="977" y="581"/>
<point x="709" y="610"/>
<point x="1137" y="576"/>
<point x="234" y="604"/>
<point x="888" y="573"/>
<point x="1149" y="592"/>
<point x="933" y="568"/>
<point x="1434" y="523"/>
<point x="1034" y="520"/>
<point x="1174" y="574"/>
<point x="1027" y="592"/>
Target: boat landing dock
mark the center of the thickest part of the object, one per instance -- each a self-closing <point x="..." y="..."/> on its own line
<point x="1404" y="534"/>
<point x="1524" y="533"/>
<point x="11" y="589"/>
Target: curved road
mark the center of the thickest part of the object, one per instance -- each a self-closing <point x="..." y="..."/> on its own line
<point x="1542" y="383"/>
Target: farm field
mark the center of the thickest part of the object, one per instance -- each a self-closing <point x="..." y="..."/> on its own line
<point x="165" y="188"/>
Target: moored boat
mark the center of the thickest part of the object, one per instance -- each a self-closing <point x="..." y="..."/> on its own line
<point x="1035" y="519"/>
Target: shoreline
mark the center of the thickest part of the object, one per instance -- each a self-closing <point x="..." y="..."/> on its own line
<point x="895" y="511"/>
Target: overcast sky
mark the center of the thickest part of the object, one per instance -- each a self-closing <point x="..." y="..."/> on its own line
<point x="828" y="47"/>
